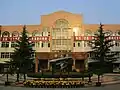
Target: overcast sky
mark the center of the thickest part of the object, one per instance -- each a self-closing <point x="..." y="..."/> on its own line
<point x="14" y="12"/>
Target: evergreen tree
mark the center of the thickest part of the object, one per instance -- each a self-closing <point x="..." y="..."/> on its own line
<point x="22" y="58"/>
<point x="101" y="50"/>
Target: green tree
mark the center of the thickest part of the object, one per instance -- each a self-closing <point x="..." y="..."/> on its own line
<point x="101" y="49"/>
<point x="22" y="58"/>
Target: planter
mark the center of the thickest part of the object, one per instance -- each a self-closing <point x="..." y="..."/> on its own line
<point x="7" y="83"/>
<point x="98" y="84"/>
<point x="54" y="84"/>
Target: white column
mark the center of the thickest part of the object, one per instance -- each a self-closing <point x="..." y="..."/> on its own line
<point x="9" y="44"/>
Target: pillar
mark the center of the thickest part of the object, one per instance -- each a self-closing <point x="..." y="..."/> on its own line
<point x="86" y="64"/>
<point x="86" y="61"/>
<point x="48" y="64"/>
<point x="74" y="63"/>
<point x="36" y="64"/>
<point x="9" y="44"/>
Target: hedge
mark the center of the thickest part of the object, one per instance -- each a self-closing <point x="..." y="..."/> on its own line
<point x="57" y="75"/>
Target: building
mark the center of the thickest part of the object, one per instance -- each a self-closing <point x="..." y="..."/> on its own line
<point x="60" y="33"/>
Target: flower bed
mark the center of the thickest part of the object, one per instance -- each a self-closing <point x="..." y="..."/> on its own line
<point x="56" y="83"/>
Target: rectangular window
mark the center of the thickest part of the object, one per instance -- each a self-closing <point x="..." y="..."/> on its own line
<point x="53" y="42"/>
<point x="13" y="44"/>
<point x="58" y="42"/>
<point x="48" y="33"/>
<point x="6" y="54"/>
<point x="78" y="44"/>
<point x="37" y="44"/>
<point x="86" y="43"/>
<point x="11" y="54"/>
<point x="53" y="33"/>
<point x="117" y="43"/>
<point x="42" y="45"/>
<point x="5" y="44"/>
<point x="42" y="33"/>
<point x="2" y="55"/>
<point x="48" y="44"/>
<point x="73" y="44"/>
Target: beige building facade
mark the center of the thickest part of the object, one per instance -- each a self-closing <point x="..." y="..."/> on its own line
<point x="60" y="33"/>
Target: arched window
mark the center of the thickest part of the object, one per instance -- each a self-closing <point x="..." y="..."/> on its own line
<point x="88" y="32"/>
<point x="15" y="34"/>
<point x="108" y="32"/>
<point x="35" y="33"/>
<point x="5" y="34"/>
<point x="117" y="32"/>
<point x="61" y="23"/>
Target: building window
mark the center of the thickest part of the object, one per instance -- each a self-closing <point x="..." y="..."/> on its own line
<point x="48" y="44"/>
<point x="86" y="43"/>
<point x="78" y="44"/>
<point x="13" y="44"/>
<point x="64" y="42"/>
<point x="37" y="44"/>
<point x="53" y="42"/>
<point x="5" y="44"/>
<point x="35" y="33"/>
<point x="88" y="32"/>
<point x="15" y="34"/>
<point x="117" y="44"/>
<point x="91" y="54"/>
<point x="58" y="42"/>
<point x="6" y="54"/>
<point x="61" y="23"/>
<point x="117" y="54"/>
<point x="6" y="34"/>
<point x="48" y="33"/>
<point x="11" y="55"/>
<point x="2" y="55"/>
<point x="42" y="45"/>
<point x="73" y="44"/>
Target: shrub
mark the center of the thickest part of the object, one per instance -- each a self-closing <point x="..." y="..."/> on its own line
<point x="57" y="75"/>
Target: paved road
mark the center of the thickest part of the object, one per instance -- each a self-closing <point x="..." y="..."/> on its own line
<point x="108" y="87"/>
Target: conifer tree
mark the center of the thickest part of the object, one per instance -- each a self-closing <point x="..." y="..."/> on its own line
<point x="101" y="47"/>
<point x="23" y="56"/>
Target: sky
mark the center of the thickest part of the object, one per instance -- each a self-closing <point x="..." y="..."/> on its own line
<point x="15" y="12"/>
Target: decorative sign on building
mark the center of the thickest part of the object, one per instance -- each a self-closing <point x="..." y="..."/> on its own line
<point x="76" y="38"/>
<point x="33" y="39"/>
